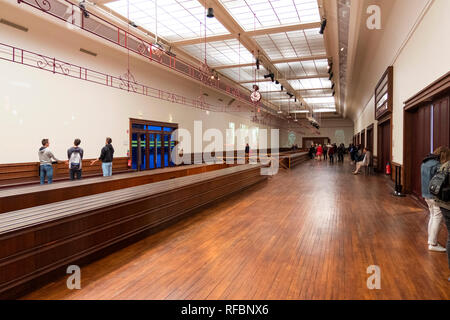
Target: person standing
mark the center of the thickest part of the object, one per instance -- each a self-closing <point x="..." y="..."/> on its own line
<point x="45" y="162"/>
<point x="75" y="156"/>
<point x="430" y="166"/>
<point x="106" y="157"/>
<point x="319" y="152"/>
<point x="331" y="152"/>
<point x="340" y="152"/>
<point x="445" y="206"/>
<point x="325" y="152"/>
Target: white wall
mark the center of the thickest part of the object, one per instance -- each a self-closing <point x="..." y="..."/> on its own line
<point x="339" y="131"/>
<point x="422" y="57"/>
<point x="36" y="104"/>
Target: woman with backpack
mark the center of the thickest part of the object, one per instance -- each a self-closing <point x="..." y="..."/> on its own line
<point x="443" y="202"/>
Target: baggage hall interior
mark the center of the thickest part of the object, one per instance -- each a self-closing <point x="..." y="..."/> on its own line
<point x="224" y="149"/>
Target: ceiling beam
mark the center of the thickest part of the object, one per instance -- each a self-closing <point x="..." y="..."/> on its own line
<point x="259" y="32"/>
<point x="290" y="78"/>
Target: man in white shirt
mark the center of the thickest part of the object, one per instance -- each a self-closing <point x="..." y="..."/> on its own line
<point x="364" y="163"/>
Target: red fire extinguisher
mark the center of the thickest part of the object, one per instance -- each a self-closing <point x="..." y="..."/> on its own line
<point x="129" y="160"/>
<point x="388" y="168"/>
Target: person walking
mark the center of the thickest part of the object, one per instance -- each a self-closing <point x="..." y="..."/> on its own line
<point x="45" y="162"/>
<point x="106" y="157"/>
<point x="325" y="152"/>
<point x="75" y="156"/>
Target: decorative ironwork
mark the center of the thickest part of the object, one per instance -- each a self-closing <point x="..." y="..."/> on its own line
<point x="128" y="81"/>
<point x="44" y="5"/>
<point x="53" y="64"/>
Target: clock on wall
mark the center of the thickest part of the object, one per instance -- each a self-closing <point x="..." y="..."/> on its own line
<point x="255" y="96"/>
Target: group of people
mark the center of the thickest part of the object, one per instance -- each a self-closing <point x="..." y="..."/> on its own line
<point x="437" y="165"/>
<point x="75" y="160"/>
<point x="327" y="151"/>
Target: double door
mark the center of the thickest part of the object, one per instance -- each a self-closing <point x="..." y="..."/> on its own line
<point x="151" y="150"/>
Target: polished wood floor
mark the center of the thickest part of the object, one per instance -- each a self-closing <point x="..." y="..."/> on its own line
<point x="309" y="233"/>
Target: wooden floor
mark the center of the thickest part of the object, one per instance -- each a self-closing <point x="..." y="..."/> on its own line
<point x="309" y="233"/>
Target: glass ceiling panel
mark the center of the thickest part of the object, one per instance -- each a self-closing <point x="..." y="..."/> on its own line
<point x="293" y="44"/>
<point x="310" y="83"/>
<point x="258" y="14"/>
<point x="243" y="73"/>
<point x="177" y="19"/>
<point x="303" y="68"/>
<point x="264" y="86"/>
<point x="219" y="53"/>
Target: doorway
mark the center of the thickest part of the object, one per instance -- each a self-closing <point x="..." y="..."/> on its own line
<point x="369" y="132"/>
<point x="151" y="144"/>
<point x="384" y="144"/>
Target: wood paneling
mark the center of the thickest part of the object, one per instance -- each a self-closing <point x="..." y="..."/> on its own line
<point x="36" y="242"/>
<point x="22" y="173"/>
<point x="441" y="122"/>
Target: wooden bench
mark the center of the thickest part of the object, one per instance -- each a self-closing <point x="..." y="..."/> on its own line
<point x="31" y="196"/>
<point x="39" y="243"/>
<point x="291" y="160"/>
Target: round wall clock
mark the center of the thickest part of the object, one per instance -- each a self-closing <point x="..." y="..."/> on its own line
<point x="255" y="96"/>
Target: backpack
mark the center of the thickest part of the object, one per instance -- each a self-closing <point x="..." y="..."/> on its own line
<point x="439" y="186"/>
<point x="75" y="160"/>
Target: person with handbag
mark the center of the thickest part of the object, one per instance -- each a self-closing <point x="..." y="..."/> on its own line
<point x="439" y="187"/>
<point x="428" y="170"/>
<point x="75" y="156"/>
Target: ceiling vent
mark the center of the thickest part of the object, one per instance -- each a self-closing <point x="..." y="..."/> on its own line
<point x="88" y="52"/>
<point x="14" y="25"/>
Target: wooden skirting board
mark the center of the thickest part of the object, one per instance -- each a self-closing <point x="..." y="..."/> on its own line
<point x="38" y="244"/>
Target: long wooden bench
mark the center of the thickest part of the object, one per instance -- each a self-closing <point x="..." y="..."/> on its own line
<point x="291" y="160"/>
<point x="38" y="244"/>
<point x="20" y="174"/>
<point x="31" y="196"/>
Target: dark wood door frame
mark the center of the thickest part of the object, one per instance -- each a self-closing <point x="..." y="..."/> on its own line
<point x="387" y="120"/>
<point x="426" y="96"/>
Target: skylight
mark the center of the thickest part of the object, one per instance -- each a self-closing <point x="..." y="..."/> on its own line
<point x="177" y="19"/>
<point x="258" y="14"/>
<point x="219" y="53"/>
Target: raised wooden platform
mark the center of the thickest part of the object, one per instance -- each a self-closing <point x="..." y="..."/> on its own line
<point x="289" y="161"/>
<point x="36" y="195"/>
<point x="40" y="242"/>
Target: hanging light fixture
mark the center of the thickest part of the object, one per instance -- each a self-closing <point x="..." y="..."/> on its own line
<point x="210" y="13"/>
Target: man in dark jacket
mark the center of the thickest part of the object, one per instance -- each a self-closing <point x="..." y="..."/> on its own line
<point x="106" y="156"/>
